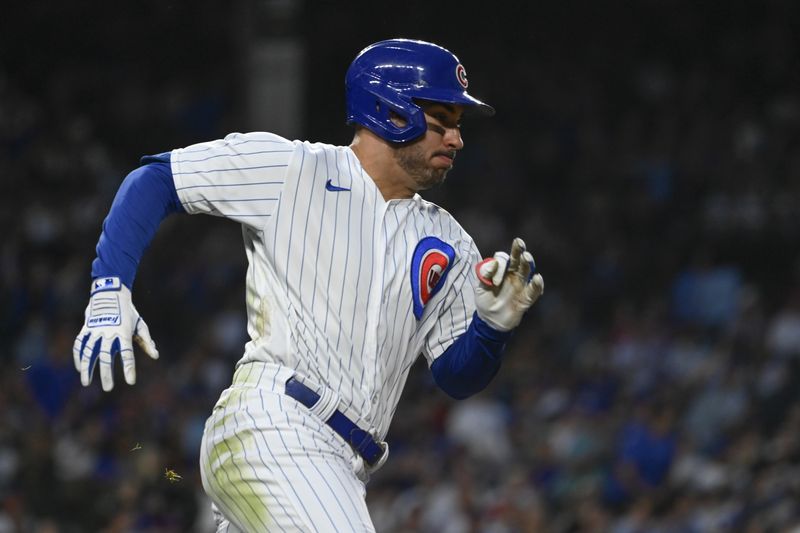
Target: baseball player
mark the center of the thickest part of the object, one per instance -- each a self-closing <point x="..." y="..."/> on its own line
<point x="351" y="276"/>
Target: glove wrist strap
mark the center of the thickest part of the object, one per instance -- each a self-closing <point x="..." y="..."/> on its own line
<point x="110" y="283"/>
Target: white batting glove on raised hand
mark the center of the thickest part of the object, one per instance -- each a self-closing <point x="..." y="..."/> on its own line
<point x="111" y="323"/>
<point x="506" y="288"/>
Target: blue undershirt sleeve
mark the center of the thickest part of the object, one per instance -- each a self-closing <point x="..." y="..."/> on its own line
<point x="145" y="198"/>
<point x="470" y="363"/>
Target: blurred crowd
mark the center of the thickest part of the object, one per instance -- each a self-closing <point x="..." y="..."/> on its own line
<point x="654" y="172"/>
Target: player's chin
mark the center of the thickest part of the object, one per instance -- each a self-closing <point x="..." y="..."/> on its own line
<point x="438" y="177"/>
<point x="438" y="170"/>
<point x="431" y="179"/>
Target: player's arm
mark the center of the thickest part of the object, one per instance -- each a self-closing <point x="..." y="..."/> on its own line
<point x="238" y="177"/>
<point x="507" y="288"/>
<point x="471" y="362"/>
<point x="112" y="324"/>
<point x="145" y="198"/>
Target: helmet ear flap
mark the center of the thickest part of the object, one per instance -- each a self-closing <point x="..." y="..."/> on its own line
<point x="380" y="121"/>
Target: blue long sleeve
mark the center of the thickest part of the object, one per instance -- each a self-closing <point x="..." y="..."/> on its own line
<point x="145" y="198"/>
<point x="470" y="363"/>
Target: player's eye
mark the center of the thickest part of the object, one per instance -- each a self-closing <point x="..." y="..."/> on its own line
<point x="447" y="120"/>
<point x="442" y="129"/>
<point x="436" y="128"/>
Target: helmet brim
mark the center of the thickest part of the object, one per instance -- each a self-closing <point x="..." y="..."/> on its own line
<point x="472" y="106"/>
<point x="478" y="109"/>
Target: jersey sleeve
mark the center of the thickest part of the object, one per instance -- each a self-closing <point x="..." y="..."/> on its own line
<point x="239" y="177"/>
<point x="455" y="315"/>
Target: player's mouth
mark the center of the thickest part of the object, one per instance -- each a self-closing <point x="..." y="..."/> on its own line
<point x="446" y="158"/>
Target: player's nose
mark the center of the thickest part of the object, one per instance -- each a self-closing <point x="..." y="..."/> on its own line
<point x="452" y="138"/>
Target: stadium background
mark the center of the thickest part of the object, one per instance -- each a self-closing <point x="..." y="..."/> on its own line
<point x="647" y="151"/>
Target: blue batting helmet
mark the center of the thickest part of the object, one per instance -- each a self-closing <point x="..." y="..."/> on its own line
<point x="390" y="75"/>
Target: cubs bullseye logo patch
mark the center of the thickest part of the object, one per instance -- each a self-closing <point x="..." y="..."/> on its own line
<point x="430" y="264"/>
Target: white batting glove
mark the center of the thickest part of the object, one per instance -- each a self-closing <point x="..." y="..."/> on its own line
<point x="111" y="322"/>
<point x="506" y="289"/>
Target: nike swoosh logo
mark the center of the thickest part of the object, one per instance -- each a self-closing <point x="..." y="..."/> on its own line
<point x="333" y="188"/>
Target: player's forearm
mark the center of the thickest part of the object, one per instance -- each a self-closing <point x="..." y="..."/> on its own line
<point x="145" y="198"/>
<point x="470" y="363"/>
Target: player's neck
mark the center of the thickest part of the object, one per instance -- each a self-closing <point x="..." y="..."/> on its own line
<point x="377" y="160"/>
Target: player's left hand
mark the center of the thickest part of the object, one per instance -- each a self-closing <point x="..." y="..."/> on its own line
<point x="111" y="324"/>
<point x="507" y="287"/>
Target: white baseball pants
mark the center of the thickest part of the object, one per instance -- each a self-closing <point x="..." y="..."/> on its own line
<point x="269" y="464"/>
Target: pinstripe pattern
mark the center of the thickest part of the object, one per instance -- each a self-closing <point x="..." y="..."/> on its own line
<point x="298" y="474"/>
<point x="231" y="178"/>
<point x="329" y="296"/>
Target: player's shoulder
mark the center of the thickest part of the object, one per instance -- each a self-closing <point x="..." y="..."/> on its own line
<point x="440" y="217"/>
<point x="433" y="210"/>
<point x="274" y="141"/>
<point x="255" y="137"/>
<point x="239" y="142"/>
<point x="320" y="147"/>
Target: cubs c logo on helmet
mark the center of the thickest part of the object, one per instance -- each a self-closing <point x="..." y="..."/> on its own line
<point x="461" y="75"/>
<point x="430" y="264"/>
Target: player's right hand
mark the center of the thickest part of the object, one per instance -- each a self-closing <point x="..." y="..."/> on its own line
<point x="111" y="324"/>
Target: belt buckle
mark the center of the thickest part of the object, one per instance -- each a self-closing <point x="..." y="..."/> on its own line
<point x="384" y="450"/>
<point x="381" y="460"/>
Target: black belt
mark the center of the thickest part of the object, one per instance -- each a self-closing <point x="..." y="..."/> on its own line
<point x="361" y="441"/>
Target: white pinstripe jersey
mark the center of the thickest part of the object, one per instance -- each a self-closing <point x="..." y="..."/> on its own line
<point x="329" y="289"/>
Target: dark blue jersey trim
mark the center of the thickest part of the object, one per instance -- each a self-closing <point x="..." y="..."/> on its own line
<point x="470" y="363"/>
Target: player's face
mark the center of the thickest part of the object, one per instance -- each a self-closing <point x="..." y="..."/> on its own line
<point x="428" y="159"/>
